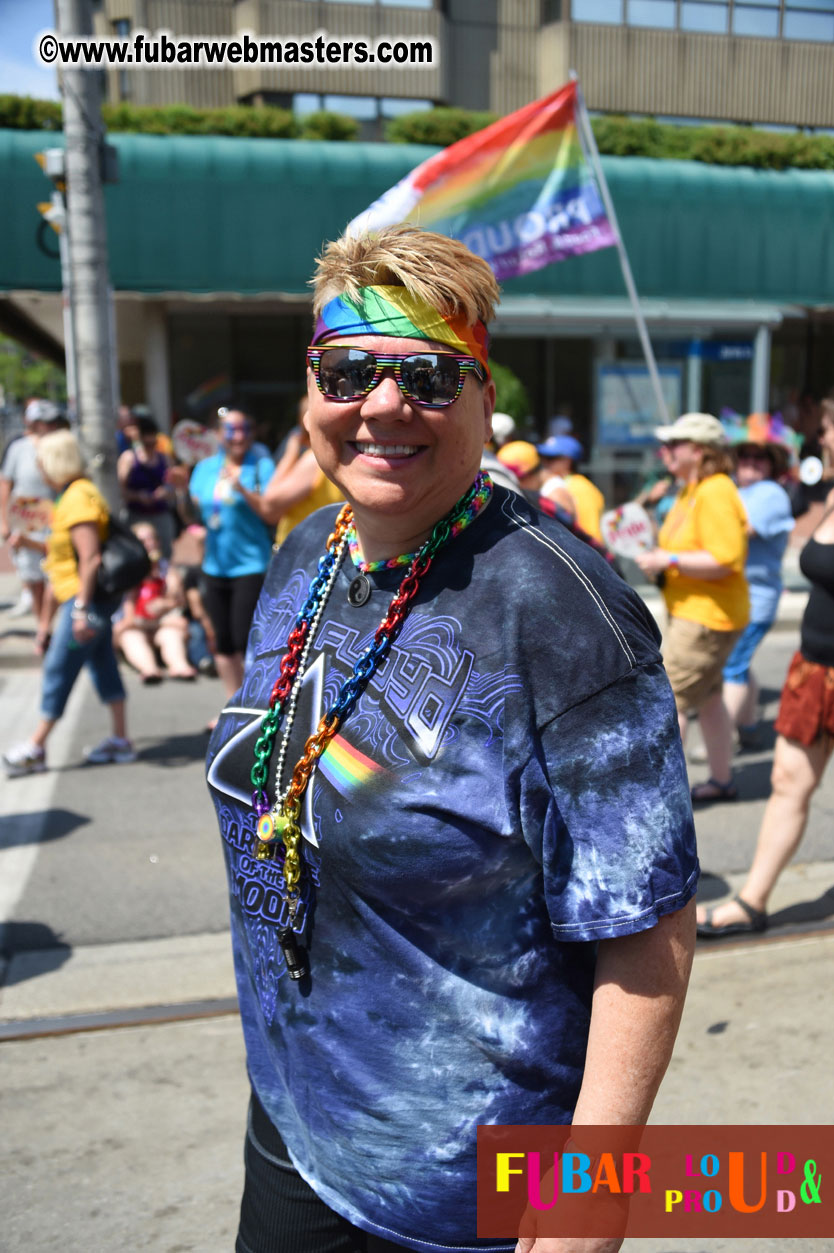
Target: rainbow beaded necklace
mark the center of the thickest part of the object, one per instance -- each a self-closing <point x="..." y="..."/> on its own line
<point x="278" y="827"/>
<point x="459" y="523"/>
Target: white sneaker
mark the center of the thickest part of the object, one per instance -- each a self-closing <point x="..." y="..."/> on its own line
<point x="23" y="606"/>
<point x="112" y="749"/>
<point x="24" y="758"/>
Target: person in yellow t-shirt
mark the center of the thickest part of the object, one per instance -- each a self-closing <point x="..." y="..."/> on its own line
<point x="561" y="454"/>
<point x="82" y="634"/>
<point x="702" y="548"/>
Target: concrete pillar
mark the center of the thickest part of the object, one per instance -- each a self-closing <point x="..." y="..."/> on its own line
<point x="760" y="380"/>
<point x="157" y="374"/>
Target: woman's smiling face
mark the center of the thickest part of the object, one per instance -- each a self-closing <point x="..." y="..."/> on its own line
<point x="392" y="457"/>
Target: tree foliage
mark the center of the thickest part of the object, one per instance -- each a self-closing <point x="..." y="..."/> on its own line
<point x="24" y="374"/>
<point x="324" y="125"/>
<point x="511" y="394"/>
<point x="439" y="127"/>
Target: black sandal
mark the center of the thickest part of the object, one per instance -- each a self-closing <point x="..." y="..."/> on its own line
<point x="754" y="924"/>
<point x="719" y="792"/>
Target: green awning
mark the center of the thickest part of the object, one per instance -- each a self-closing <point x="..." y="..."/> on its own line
<point x="195" y="214"/>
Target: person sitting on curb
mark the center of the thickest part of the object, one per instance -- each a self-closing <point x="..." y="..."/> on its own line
<point x="152" y="618"/>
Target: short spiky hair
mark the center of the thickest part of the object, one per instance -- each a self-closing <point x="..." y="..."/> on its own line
<point x="441" y="271"/>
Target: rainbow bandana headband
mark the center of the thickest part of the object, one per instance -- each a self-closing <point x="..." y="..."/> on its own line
<point x="393" y="311"/>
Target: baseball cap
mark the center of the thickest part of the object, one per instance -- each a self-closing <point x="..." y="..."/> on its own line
<point x="561" y="446"/>
<point x="503" y="427"/>
<point x="701" y="428"/>
<point x="519" y="456"/>
<point x="41" y="411"/>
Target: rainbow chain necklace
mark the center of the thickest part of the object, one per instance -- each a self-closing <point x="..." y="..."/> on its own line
<point x="460" y="523"/>
<point x="278" y="828"/>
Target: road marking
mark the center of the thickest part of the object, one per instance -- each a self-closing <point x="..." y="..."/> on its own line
<point x="32" y="795"/>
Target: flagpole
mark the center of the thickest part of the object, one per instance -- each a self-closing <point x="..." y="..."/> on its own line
<point x="642" y="329"/>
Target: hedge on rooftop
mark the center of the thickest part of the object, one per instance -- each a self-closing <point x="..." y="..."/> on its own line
<point x="615" y="136"/>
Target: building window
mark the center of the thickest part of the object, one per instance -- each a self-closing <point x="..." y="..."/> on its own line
<point x="369" y="111"/>
<point x="815" y="27"/>
<point x="396" y="106"/>
<point x="810" y="20"/>
<point x="121" y="29"/>
<point x="610" y="11"/>
<point x="363" y="108"/>
<point x="660" y="13"/>
<point x="306" y="102"/>
<point x="393" y="4"/>
<point x="749" y="20"/>
<point x="551" y="11"/>
<point x="708" y="18"/>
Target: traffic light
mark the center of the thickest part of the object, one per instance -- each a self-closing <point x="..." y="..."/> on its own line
<point x="53" y="163"/>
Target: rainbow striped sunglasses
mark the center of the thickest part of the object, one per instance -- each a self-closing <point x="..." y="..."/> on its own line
<point x="430" y="379"/>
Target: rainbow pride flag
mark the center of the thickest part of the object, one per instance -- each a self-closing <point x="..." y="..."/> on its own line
<point x="520" y="193"/>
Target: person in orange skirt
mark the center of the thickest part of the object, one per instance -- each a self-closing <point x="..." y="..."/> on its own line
<point x="805" y="727"/>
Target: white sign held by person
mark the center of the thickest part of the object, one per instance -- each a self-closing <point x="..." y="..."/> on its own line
<point x="627" y="530"/>
<point x="193" y="442"/>
<point x="30" y="514"/>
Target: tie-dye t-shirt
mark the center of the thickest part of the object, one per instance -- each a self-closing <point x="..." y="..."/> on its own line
<point x="509" y="789"/>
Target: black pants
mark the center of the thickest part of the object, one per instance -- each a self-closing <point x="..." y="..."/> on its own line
<point x="230" y="605"/>
<point x="280" y="1213"/>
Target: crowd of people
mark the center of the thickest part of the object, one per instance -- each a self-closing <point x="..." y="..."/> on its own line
<point x="723" y="513"/>
<point x="183" y="619"/>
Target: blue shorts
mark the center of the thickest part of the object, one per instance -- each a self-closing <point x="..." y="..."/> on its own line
<point x="737" y="665"/>
<point x="65" y="658"/>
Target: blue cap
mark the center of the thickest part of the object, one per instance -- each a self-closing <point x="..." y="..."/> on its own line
<point x="561" y="446"/>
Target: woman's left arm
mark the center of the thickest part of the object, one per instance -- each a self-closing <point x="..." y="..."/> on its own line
<point x="697" y="565"/>
<point x="87" y="546"/>
<point x="639" y="990"/>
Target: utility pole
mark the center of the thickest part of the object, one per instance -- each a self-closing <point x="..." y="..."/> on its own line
<point x="95" y="346"/>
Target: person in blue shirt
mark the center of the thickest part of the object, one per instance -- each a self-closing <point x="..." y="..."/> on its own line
<point x="225" y="493"/>
<point x="466" y="897"/>
<point x="770" y="521"/>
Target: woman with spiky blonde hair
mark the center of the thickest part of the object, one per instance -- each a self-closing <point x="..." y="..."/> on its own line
<point x="451" y="793"/>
